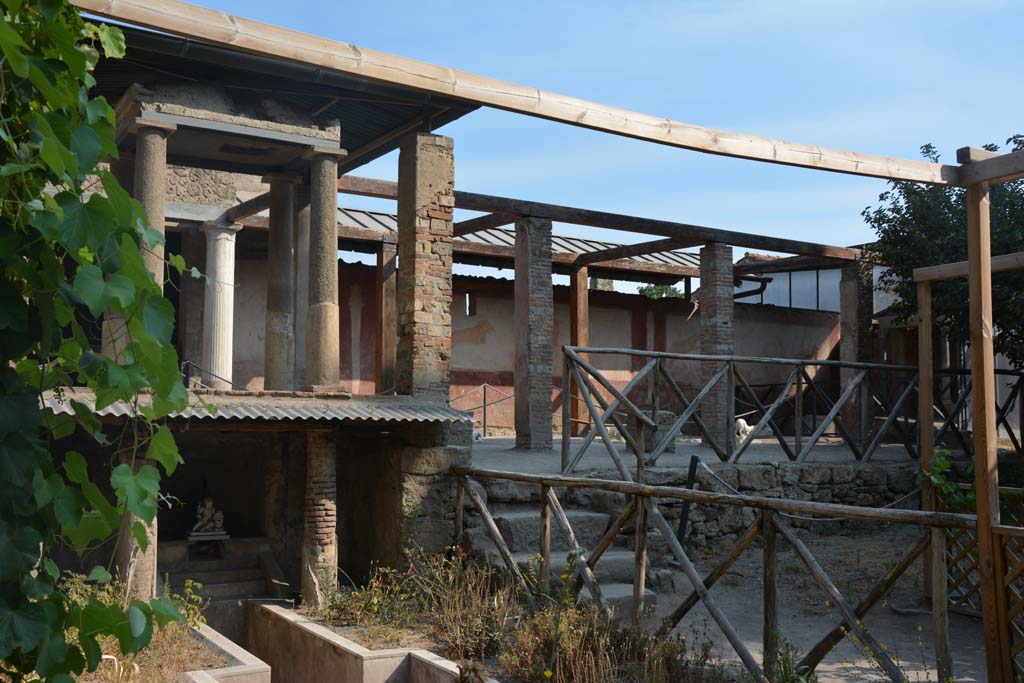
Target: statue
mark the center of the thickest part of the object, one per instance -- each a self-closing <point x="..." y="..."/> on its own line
<point x="209" y="522"/>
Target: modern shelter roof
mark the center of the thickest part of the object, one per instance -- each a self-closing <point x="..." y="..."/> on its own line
<point x="373" y="116"/>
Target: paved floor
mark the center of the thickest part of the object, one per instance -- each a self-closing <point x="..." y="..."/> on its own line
<point x="501" y="454"/>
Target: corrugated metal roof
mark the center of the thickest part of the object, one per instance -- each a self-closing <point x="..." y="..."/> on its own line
<point x="268" y="407"/>
<point x="506" y="237"/>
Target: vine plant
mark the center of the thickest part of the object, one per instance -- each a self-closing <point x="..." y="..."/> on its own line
<point x="67" y="257"/>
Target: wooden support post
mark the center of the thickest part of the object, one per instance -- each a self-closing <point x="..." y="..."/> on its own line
<point x="979" y="275"/>
<point x="925" y="409"/>
<point x="567" y="413"/>
<point x="798" y="411"/>
<point x="545" y="541"/>
<point x="770" y="656"/>
<point x="582" y="568"/>
<point x="579" y="334"/>
<point x="640" y="537"/>
<point x="387" y="317"/>
<point x="940" y="606"/>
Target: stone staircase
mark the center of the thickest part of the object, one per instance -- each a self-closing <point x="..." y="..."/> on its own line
<point x="226" y="585"/>
<point x="516" y="510"/>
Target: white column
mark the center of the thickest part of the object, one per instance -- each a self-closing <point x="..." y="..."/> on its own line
<point x="219" y="304"/>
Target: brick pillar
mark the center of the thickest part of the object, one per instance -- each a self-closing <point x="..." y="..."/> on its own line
<point x="533" y="330"/>
<point x="426" y="198"/>
<point x="717" y="336"/>
<point x="856" y="308"/>
<point x="320" y="535"/>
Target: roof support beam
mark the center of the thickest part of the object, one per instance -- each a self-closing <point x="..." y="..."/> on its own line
<point x="983" y="166"/>
<point x="948" y="271"/>
<point x="220" y="28"/>
<point x="369" y="187"/>
<point x="630" y="250"/>
<point x="480" y="223"/>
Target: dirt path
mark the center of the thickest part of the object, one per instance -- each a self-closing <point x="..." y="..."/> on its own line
<point x="855" y="559"/>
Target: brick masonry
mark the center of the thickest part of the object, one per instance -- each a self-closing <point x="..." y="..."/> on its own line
<point x="533" y="325"/>
<point x="856" y="308"/>
<point x="320" y="511"/>
<point x="717" y="336"/>
<point x="426" y="199"/>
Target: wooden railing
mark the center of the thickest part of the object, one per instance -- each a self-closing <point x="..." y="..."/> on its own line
<point x="881" y="396"/>
<point x="643" y="506"/>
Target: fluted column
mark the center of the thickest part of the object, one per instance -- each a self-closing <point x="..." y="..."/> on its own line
<point x="279" y="348"/>
<point x="219" y="304"/>
<point x="323" y="335"/>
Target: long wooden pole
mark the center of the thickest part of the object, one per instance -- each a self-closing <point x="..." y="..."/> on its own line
<point x="239" y="33"/>
<point x="979" y="276"/>
<point x="579" y="335"/>
<point x="770" y="637"/>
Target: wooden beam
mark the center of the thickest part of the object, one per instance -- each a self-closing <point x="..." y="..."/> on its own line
<point x="486" y="222"/>
<point x="686" y="232"/>
<point x="387" y="142"/>
<point x="632" y="250"/>
<point x="998" y="168"/>
<point x="979" y="277"/>
<point x="949" y="271"/>
<point x="246" y="35"/>
<point x="789" y="264"/>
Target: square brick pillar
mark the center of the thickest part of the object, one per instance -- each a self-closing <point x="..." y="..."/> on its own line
<point x="533" y="331"/>
<point x="426" y="198"/>
<point x="856" y="308"/>
<point x="717" y="337"/>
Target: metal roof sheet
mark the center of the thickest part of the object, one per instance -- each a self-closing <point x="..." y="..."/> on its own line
<point x="277" y="407"/>
<point x="506" y="237"/>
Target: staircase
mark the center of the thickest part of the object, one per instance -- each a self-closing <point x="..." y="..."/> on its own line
<point x="226" y="585"/>
<point x="516" y="510"/>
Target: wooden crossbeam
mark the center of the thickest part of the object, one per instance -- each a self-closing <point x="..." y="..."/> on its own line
<point x="485" y="222"/>
<point x="696" y="234"/>
<point x="983" y="166"/>
<point x="246" y="35"/>
<point x="631" y="250"/>
<point x="949" y="271"/>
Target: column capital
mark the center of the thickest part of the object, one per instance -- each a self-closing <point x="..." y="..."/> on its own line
<point x="141" y="123"/>
<point x="283" y="177"/>
<point x="215" y="228"/>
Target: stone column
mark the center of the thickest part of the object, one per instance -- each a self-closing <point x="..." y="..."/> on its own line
<point x="717" y="337"/>
<point x="387" y="324"/>
<point x="323" y="333"/>
<point x="151" y="188"/>
<point x="320" y="536"/>
<point x="533" y="330"/>
<point x="426" y="199"/>
<point x="856" y="308"/>
<point x="219" y="304"/>
<point x="279" y="340"/>
<point x="301" y="290"/>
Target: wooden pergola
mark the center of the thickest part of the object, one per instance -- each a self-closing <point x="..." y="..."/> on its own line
<point x="977" y="170"/>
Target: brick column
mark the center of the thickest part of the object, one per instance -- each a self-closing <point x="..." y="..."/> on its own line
<point x="279" y="340"/>
<point x="320" y="535"/>
<point x="533" y="330"/>
<point x="426" y="198"/>
<point x="717" y="336"/>
<point x="856" y="308"/>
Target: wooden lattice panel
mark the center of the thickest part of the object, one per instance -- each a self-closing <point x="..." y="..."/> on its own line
<point x="962" y="577"/>
<point x="1013" y="582"/>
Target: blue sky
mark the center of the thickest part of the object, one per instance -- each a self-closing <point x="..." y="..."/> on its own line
<point x="881" y="77"/>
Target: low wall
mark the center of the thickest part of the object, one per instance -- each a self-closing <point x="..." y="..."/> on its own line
<point x="303" y="651"/>
<point x="244" y="668"/>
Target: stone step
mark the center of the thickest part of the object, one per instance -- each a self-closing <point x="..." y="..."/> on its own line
<point x="619" y="598"/>
<point x="219" y="575"/>
<point x="520" y="527"/>
<point x="195" y="566"/>
<point x="615" y="566"/>
<point x="231" y="589"/>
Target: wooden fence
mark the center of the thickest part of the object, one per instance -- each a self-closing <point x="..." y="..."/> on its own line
<point x="770" y="523"/>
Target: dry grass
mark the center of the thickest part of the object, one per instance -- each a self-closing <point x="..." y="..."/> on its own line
<point x="173" y="650"/>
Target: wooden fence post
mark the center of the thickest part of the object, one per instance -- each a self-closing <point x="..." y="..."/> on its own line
<point x="545" y="541"/>
<point x="770" y="657"/>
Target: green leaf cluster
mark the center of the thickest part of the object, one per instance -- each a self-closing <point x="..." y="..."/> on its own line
<point x="925" y="225"/>
<point x="71" y="243"/>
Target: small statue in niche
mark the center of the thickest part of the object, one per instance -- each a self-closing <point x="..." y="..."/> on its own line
<point x="209" y="520"/>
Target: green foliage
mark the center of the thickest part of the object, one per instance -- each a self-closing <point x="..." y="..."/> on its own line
<point x="660" y="292"/>
<point x="924" y="225"/>
<point x="66" y="258"/>
<point x="943" y="480"/>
